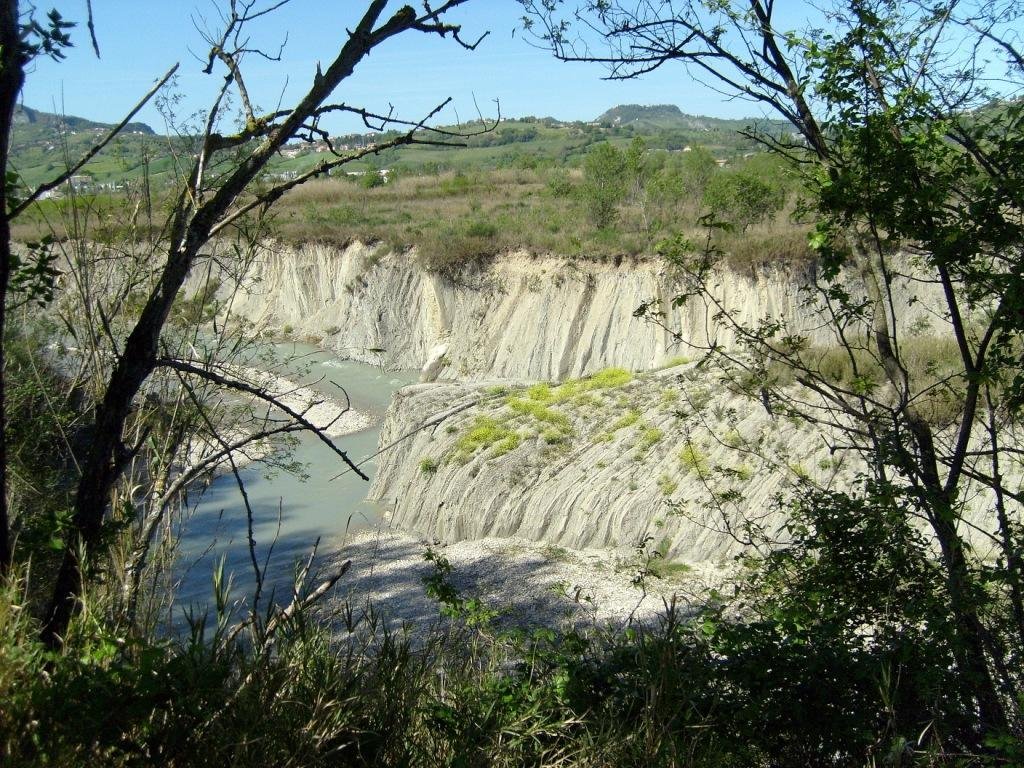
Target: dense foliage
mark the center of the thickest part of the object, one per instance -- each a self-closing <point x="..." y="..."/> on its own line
<point x="909" y="142"/>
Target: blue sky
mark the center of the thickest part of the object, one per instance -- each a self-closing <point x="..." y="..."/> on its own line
<point x="140" y="39"/>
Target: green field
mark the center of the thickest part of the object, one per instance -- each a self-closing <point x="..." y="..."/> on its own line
<point x="44" y="145"/>
<point x="520" y="185"/>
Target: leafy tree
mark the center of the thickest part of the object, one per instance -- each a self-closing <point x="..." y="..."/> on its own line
<point x="638" y="168"/>
<point x="604" y="183"/>
<point x="742" y="198"/>
<point x="224" y="195"/>
<point x="697" y="167"/>
<point x="914" y="163"/>
<point x="681" y="177"/>
<point x="371" y="179"/>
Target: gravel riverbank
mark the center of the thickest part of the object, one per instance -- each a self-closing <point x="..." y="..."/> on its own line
<point x="529" y="583"/>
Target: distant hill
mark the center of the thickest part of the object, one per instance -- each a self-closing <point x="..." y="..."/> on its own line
<point x="44" y="143"/>
<point x="660" y="117"/>
<point x="30" y="121"/>
<point x="656" y="115"/>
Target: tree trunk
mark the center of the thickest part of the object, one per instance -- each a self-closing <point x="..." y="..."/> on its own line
<point x="107" y="453"/>
<point x="970" y="630"/>
<point x="970" y="645"/>
<point x="12" y="75"/>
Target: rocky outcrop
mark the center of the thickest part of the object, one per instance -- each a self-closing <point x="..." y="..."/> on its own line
<point x="670" y="458"/>
<point x="663" y="458"/>
<point x="517" y="317"/>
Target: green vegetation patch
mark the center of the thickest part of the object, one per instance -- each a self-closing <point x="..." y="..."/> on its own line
<point x="650" y="437"/>
<point x="628" y="419"/>
<point x="539" y="411"/>
<point x="540" y="392"/>
<point x="540" y="402"/>
<point x="485" y="432"/>
<point x="609" y="377"/>
<point x="577" y="389"/>
<point x="693" y="459"/>
<point x="672" y="362"/>
<point x="555" y="437"/>
<point x="508" y="443"/>
<point x="668" y="569"/>
<point x="667" y="485"/>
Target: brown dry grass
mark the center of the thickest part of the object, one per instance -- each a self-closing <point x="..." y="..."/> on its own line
<point x="452" y="218"/>
<point x="933" y="363"/>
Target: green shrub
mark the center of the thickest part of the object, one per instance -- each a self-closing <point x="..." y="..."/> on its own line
<point x="484" y="432"/>
<point x="667" y="485"/>
<point x="743" y="197"/>
<point x="480" y="228"/>
<point x="540" y="412"/>
<point x="540" y="392"/>
<point x="456" y="185"/>
<point x="648" y="438"/>
<point x="604" y="184"/>
<point x="662" y="568"/>
<point x="693" y="459"/>
<point x="559" y="184"/>
<point x="371" y="179"/>
<point x="554" y="437"/>
<point x="608" y="378"/>
<point x="508" y="443"/>
<point x="627" y="420"/>
<point x="799" y="470"/>
<point x="672" y="362"/>
<point x="577" y="389"/>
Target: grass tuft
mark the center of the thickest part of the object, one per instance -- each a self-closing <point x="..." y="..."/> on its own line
<point x="627" y="420"/>
<point x="540" y="412"/>
<point x="650" y="437"/>
<point x="483" y="433"/>
<point x="693" y="459"/>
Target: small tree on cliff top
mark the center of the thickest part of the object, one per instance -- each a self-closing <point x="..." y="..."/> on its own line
<point x="604" y="184"/>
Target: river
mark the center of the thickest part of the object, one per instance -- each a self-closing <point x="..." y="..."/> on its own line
<point x="290" y="512"/>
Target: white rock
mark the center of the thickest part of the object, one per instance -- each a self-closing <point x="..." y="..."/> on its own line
<point x="518" y="317"/>
<point x="436" y="362"/>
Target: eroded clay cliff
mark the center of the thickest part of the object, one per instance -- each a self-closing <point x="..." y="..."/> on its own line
<point x="514" y="317"/>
